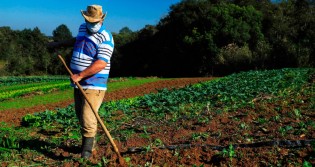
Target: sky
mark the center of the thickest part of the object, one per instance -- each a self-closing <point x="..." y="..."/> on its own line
<point x="47" y="15"/>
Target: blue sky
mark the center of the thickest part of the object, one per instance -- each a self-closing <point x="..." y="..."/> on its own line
<point x="47" y="15"/>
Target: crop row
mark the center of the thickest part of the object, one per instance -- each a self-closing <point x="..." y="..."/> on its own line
<point x="225" y="94"/>
<point x="235" y="91"/>
<point x="13" y="80"/>
<point x="28" y="85"/>
<point x="15" y="91"/>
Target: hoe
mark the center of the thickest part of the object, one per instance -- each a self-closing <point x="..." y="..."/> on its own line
<point x="121" y="160"/>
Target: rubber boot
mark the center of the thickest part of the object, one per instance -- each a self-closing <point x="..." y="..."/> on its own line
<point x="87" y="147"/>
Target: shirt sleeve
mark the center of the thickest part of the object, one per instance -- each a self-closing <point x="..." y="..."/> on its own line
<point x="106" y="49"/>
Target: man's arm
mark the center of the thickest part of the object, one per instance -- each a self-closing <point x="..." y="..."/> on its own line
<point x="96" y="67"/>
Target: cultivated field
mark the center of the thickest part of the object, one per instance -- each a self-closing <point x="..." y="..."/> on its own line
<point x="256" y="118"/>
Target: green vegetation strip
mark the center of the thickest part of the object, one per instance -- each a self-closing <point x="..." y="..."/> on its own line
<point x="66" y="94"/>
<point x="15" y="80"/>
<point x="226" y="94"/>
<point x="44" y="99"/>
<point x="26" y="89"/>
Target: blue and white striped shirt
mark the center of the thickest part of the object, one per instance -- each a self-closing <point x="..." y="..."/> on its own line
<point x="89" y="48"/>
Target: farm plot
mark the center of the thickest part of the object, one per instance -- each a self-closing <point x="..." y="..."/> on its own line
<point x="12" y="87"/>
<point x="257" y="118"/>
<point x="26" y="89"/>
<point x="11" y="80"/>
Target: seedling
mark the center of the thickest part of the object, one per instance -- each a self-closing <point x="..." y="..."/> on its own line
<point x="145" y="134"/>
<point x="262" y="120"/>
<point x="230" y="152"/>
<point x="158" y="142"/>
<point x="203" y="120"/>
<point x="244" y="126"/>
<point x="297" y="113"/>
<point x="277" y="118"/>
<point x="285" y="129"/>
<point x="307" y="164"/>
<point x="196" y="136"/>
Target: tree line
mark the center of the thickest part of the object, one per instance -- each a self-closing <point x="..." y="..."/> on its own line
<point x="196" y="38"/>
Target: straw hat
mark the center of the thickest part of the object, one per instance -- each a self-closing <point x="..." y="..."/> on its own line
<point x="93" y="13"/>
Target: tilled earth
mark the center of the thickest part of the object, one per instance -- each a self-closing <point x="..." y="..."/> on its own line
<point x="195" y="141"/>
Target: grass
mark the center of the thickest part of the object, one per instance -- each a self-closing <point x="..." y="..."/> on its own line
<point x="66" y="94"/>
<point x="112" y="86"/>
<point x="36" y="100"/>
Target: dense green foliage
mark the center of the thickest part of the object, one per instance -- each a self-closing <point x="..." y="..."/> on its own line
<point x="25" y="53"/>
<point x="207" y="37"/>
<point x="196" y="38"/>
<point x="228" y="93"/>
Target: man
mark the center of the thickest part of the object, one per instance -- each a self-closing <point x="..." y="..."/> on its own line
<point x="90" y="64"/>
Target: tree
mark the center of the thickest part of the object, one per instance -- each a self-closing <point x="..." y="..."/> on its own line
<point x="124" y="37"/>
<point x="206" y="27"/>
<point x="186" y="41"/>
<point x="6" y="36"/>
<point x="40" y="53"/>
<point x="292" y="35"/>
<point x="27" y="53"/>
<point x="303" y="22"/>
<point x="62" y="32"/>
<point x="125" y="30"/>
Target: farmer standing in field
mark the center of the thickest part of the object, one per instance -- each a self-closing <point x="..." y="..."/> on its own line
<point x="90" y="64"/>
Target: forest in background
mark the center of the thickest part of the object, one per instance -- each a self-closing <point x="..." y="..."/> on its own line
<point x="196" y="38"/>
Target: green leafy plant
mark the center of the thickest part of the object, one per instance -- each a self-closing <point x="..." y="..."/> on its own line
<point x="307" y="164"/>
<point x="158" y="143"/>
<point x="297" y="113"/>
<point x="31" y="120"/>
<point x="230" y="152"/>
<point x="285" y="129"/>
<point x="196" y="136"/>
<point x="11" y="142"/>
<point x="9" y="138"/>
<point x="244" y="126"/>
<point x="262" y="120"/>
<point x="145" y="134"/>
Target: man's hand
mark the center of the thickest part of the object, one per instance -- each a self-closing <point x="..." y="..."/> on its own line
<point x="96" y="67"/>
<point x="76" y="77"/>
